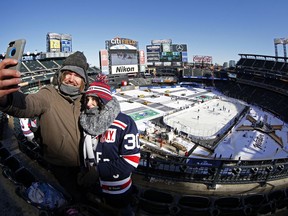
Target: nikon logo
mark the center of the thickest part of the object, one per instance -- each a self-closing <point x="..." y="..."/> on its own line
<point x="124" y="69"/>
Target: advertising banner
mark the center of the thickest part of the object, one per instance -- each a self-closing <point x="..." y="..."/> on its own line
<point x="54" y="45"/>
<point x="124" y="69"/>
<point x="153" y="48"/>
<point x="104" y="58"/>
<point x="124" y="43"/>
<point x="153" y="57"/>
<point x="66" y="46"/>
<point x="142" y="57"/>
<point x="184" y="57"/>
<point x="202" y="59"/>
<point x="179" y="48"/>
<point x="161" y="41"/>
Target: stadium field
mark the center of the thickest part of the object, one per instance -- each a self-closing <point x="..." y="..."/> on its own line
<point x="143" y="114"/>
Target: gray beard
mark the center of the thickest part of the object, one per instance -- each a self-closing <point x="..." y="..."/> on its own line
<point x="71" y="91"/>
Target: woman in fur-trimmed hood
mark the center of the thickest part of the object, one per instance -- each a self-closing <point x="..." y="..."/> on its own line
<point x="111" y="147"/>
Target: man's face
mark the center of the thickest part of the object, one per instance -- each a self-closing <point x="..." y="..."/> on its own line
<point x="72" y="79"/>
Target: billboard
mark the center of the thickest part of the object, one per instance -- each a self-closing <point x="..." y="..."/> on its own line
<point x="121" y="43"/>
<point x="104" y="62"/>
<point x="202" y="59"/>
<point x="120" y="69"/>
<point x="170" y="57"/>
<point x="141" y="57"/>
<point x="184" y="57"/>
<point x="56" y="42"/>
<point x="164" y="51"/>
<point x="179" y="48"/>
<point x="66" y="46"/>
<point x="153" y="57"/>
<point x="54" y="45"/>
<point x="103" y="58"/>
<point x="120" y="57"/>
<point x="53" y="42"/>
<point x="153" y="48"/>
<point x="66" y="43"/>
<point x="161" y="41"/>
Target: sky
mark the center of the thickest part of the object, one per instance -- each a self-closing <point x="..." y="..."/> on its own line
<point x="222" y="29"/>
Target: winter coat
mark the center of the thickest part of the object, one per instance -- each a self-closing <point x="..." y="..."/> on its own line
<point x="115" y="152"/>
<point x="58" y="120"/>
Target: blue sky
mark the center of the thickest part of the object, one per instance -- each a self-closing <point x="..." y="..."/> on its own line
<point x="221" y="29"/>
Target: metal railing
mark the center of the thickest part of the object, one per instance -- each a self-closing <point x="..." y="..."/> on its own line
<point x="212" y="171"/>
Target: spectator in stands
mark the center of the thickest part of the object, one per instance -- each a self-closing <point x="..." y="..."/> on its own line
<point x="111" y="147"/>
<point x="25" y="124"/>
<point x="58" y="108"/>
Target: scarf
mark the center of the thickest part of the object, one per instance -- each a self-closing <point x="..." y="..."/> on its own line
<point x="95" y="122"/>
<point x="71" y="91"/>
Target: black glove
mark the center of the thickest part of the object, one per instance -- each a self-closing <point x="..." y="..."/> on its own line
<point x="88" y="178"/>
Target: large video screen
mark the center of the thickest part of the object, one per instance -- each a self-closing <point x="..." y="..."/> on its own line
<point x="123" y="58"/>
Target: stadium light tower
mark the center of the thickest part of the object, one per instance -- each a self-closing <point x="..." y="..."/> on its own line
<point x="276" y="42"/>
<point x="282" y="41"/>
<point x="285" y="41"/>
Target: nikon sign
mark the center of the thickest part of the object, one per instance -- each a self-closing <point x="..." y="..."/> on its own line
<point x="124" y="69"/>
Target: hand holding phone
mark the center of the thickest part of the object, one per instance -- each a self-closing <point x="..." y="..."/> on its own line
<point x="15" y="51"/>
<point x="9" y="78"/>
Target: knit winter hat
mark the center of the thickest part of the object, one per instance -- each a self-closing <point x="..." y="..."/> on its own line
<point x="77" y="63"/>
<point x="100" y="88"/>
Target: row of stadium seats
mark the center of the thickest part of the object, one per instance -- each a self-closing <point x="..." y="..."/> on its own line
<point x="156" y="202"/>
<point x="30" y="67"/>
<point x="263" y="64"/>
<point x="272" y="101"/>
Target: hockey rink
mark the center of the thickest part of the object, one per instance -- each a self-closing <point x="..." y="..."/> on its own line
<point x="204" y="114"/>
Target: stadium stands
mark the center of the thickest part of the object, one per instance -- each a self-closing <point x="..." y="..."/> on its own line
<point x="261" y="80"/>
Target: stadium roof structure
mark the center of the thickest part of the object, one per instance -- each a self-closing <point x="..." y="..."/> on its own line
<point x="256" y="56"/>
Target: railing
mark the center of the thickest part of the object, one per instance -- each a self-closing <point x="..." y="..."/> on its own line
<point x="212" y="171"/>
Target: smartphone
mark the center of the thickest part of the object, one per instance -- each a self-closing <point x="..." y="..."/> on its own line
<point x="15" y="50"/>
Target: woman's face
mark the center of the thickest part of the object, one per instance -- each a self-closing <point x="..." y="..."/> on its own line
<point x="91" y="102"/>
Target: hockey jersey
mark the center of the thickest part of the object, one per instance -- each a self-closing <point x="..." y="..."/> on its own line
<point x="116" y="153"/>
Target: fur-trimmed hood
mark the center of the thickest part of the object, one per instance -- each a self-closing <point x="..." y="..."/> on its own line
<point x="95" y="122"/>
